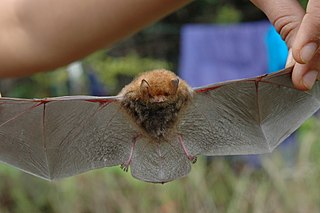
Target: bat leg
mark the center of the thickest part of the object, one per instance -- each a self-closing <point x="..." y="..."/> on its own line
<point x="193" y="159"/>
<point x="125" y="165"/>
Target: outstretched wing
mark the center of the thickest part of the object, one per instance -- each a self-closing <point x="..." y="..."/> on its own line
<point x="59" y="137"/>
<point x="249" y="116"/>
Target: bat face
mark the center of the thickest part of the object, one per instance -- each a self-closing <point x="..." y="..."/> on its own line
<point x="156" y="126"/>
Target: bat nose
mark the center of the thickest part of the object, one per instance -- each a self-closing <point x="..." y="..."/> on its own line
<point x="159" y="99"/>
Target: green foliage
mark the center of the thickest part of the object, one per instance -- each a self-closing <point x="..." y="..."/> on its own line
<point x="213" y="187"/>
<point x="304" y="3"/>
<point x="41" y="85"/>
<point x="228" y="14"/>
<point x="109" y="69"/>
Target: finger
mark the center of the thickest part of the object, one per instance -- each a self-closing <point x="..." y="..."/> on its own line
<point x="285" y="15"/>
<point x="305" y="75"/>
<point x="307" y="39"/>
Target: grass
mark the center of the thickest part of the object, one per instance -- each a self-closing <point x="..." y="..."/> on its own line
<point x="278" y="186"/>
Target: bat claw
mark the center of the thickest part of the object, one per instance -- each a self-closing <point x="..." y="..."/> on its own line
<point x="124" y="167"/>
<point x="193" y="159"/>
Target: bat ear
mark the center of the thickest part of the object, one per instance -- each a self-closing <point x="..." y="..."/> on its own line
<point x="144" y="87"/>
<point x="175" y="85"/>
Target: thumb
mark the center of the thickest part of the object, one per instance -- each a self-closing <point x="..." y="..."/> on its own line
<point x="306" y="41"/>
<point x="305" y="48"/>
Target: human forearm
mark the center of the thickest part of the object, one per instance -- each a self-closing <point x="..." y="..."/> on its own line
<point x="51" y="33"/>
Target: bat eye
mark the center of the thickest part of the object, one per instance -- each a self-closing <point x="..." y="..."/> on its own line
<point x="166" y="94"/>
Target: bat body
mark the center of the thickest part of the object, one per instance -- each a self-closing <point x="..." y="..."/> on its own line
<point x="156" y="126"/>
<point x="154" y="101"/>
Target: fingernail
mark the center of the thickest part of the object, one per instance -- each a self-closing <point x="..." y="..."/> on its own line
<point x="309" y="78"/>
<point x="308" y="51"/>
<point x="290" y="61"/>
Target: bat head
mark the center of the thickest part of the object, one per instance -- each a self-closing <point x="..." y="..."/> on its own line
<point x="157" y="87"/>
<point x="160" y="90"/>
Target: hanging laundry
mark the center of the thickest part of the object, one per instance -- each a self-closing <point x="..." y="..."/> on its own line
<point x="214" y="53"/>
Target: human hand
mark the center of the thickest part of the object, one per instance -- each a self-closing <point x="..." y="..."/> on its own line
<point x="301" y="31"/>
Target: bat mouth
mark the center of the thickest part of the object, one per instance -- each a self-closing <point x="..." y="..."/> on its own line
<point x="160" y="104"/>
<point x="158" y="99"/>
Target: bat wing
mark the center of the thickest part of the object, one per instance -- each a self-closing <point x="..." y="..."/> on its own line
<point x="159" y="162"/>
<point x="249" y="116"/>
<point x="60" y="137"/>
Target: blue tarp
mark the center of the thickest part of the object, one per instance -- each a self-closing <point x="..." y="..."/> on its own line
<point x="277" y="50"/>
<point x="214" y="53"/>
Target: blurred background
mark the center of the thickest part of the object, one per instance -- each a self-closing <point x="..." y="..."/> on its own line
<point x="208" y="41"/>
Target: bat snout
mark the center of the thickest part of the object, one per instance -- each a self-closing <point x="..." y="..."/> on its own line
<point x="159" y="99"/>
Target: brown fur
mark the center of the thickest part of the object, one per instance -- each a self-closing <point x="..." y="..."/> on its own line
<point x="155" y="104"/>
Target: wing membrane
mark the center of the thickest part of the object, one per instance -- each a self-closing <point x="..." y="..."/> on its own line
<point x="21" y="138"/>
<point x="55" y="138"/>
<point x="249" y="116"/>
<point x="159" y="162"/>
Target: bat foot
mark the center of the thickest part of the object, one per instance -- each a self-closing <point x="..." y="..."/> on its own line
<point x="124" y="167"/>
<point x="193" y="159"/>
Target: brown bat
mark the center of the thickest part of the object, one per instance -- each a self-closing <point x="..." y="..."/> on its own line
<point x="157" y="125"/>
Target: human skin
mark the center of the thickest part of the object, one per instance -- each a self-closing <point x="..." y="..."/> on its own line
<point x="301" y="30"/>
<point x="42" y="35"/>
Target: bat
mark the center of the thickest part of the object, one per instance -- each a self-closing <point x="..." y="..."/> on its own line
<point x="156" y="126"/>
